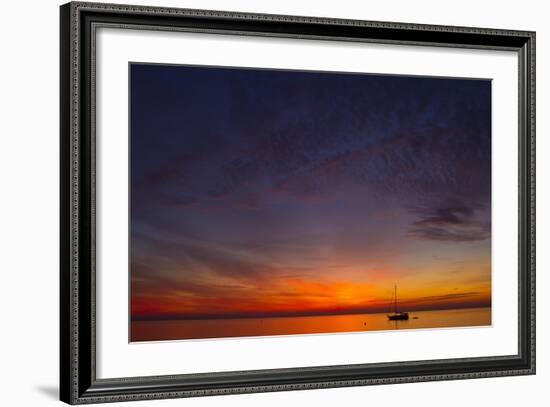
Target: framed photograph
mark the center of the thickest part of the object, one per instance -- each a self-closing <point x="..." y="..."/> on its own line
<point x="254" y="203"/>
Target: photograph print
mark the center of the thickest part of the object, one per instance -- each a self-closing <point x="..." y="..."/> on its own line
<point x="282" y="202"/>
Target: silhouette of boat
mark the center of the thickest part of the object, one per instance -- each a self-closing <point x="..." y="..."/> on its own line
<point x="396" y="315"/>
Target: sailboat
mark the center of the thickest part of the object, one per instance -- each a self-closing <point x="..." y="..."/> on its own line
<point x="395" y="315"/>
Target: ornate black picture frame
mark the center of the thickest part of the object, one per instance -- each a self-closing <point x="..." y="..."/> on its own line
<point x="78" y="381"/>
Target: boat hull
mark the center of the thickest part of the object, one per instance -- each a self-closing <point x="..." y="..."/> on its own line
<point x="399" y="316"/>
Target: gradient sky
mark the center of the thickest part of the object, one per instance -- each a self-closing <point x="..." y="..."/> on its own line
<point x="264" y="192"/>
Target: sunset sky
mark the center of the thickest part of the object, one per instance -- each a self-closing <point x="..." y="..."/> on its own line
<point x="265" y="193"/>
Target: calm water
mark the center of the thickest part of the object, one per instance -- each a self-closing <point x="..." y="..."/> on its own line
<point x="223" y="328"/>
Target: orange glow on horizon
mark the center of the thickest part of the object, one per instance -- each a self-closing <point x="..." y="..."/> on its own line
<point x="301" y="296"/>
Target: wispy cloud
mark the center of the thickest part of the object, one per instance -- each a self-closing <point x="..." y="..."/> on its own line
<point x="451" y="221"/>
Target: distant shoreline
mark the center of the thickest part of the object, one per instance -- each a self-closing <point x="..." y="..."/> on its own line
<point x="296" y="315"/>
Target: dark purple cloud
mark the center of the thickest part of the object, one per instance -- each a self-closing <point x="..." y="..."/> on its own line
<point x="231" y="136"/>
<point x="452" y="221"/>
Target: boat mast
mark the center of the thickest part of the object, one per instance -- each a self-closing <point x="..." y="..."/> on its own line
<point x="395" y="299"/>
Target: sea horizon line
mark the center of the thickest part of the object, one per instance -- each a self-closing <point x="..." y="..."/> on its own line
<point x="173" y="317"/>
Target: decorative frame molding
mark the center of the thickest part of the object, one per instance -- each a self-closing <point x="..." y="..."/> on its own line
<point x="78" y="382"/>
